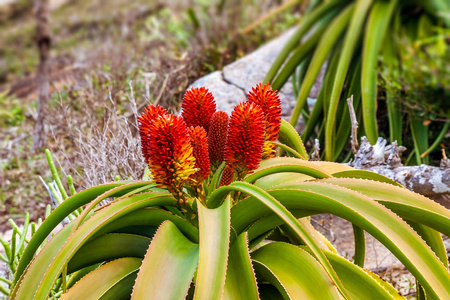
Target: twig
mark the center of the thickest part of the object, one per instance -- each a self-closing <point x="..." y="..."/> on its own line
<point x="445" y="162"/>
<point x="354" y="134"/>
<point x="316" y="154"/>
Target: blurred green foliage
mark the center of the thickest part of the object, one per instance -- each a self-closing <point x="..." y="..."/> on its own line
<point x="11" y="112"/>
<point x="422" y="82"/>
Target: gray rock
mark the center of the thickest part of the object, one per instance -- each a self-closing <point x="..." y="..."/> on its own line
<point x="250" y="70"/>
<point x="232" y="85"/>
<point x="225" y="94"/>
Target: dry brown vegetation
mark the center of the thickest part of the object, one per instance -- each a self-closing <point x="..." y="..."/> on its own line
<point x="108" y="60"/>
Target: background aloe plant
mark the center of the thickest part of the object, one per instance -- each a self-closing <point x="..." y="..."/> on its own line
<point x="353" y="37"/>
<point x="249" y="239"/>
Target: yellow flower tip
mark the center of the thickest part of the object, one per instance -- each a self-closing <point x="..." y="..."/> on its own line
<point x="170" y="154"/>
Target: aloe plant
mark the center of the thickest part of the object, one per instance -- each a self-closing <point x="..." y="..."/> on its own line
<point x="217" y="222"/>
<point x="354" y="37"/>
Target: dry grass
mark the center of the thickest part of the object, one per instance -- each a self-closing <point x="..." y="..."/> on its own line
<point x="92" y="112"/>
<point x="113" y="150"/>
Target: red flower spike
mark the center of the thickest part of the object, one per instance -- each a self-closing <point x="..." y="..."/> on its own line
<point x="200" y="151"/>
<point x="227" y="176"/>
<point x="198" y="107"/>
<point x="270" y="103"/>
<point x="245" y="139"/>
<point x="151" y="113"/>
<point x="217" y="137"/>
<point x="170" y="153"/>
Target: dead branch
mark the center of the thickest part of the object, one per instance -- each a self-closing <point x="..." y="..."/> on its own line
<point x="354" y="133"/>
<point x="316" y="154"/>
<point x="43" y="41"/>
<point x="385" y="160"/>
<point x="445" y="162"/>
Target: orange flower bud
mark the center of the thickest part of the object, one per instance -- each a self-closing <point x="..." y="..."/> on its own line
<point x="198" y="107"/>
<point x="169" y="152"/>
<point x="151" y="113"/>
<point x="227" y="176"/>
<point x="200" y="150"/>
<point x="217" y="137"/>
<point x="270" y="103"/>
<point x="245" y="139"/>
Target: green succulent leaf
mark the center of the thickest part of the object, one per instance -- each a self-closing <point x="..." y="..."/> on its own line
<point x="287" y="164"/>
<point x="381" y="223"/>
<point x="52" y="258"/>
<point x="326" y="44"/>
<point x="290" y="137"/>
<point x="274" y="205"/>
<point x="240" y="282"/>
<point x="296" y="271"/>
<point x="104" y="277"/>
<point x="350" y="43"/>
<point x="80" y="274"/>
<point x="168" y="267"/>
<point x="377" y="25"/>
<point x="121" y="290"/>
<point x="67" y="207"/>
<point x="109" y="247"/>
<point x="307" y="22"/>
<point x="408" y="205"/>
<point x="363" y="174"/>
<point x="354" y="278"/>
<point x="214" y="227"/>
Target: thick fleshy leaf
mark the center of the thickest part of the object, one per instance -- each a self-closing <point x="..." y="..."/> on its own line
<point x="377" y="25"/>
<point x="287" y="164"/>
<point x="240" y="282"/>
<point x="265" y="276"/>
<point x="151" y="217"/>
<point x="108" y="247"/>
<point x="104" y="278"/>
<point x="297" y="271"/>
<point x="307" y="23"/>
<point x="65" y="208"/>
<point x="408" y="205"/>
<point x="420" y="138"/>
<point x="51" y="260"/>
<point x="363" y="174"/>
<point x="332" y="167"/>
<point x="318" y="114"/>
<point x="301" y="54"/>
<point x="433" y="239"/>
<point x="214" y="225"/>
<point x="168" y="267"/>
<point x="121" y="290"/>
<point x="272" y="180"/>
<point x="138" y="187"/>
<point x="290" y="137"/>
<point x="350" y="43"/>
<point x="325" y="46"/>
<point x="275" y="206"/>
<point x="360" y="283"/>
<point x="381" y="223"/>
<point x="353" y="90"/>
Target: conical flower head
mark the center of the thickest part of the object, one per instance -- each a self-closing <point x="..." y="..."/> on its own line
<point x="198" y="107"/>
<point x="245" y="139"/>
<point x="200" y="150"/>
<point x="227" y="176"/>
<point x="151" y="113"/>
<point x="270" y="103"/>
<point x="170" y="157"/>
<point x="217" y="137"/>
